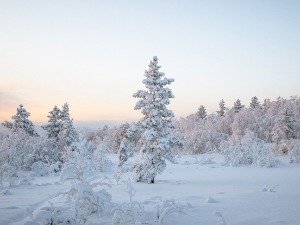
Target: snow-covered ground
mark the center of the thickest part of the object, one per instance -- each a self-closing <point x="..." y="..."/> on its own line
<point x="211" y="193"/>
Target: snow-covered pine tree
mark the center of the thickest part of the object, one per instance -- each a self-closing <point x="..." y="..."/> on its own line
<point x="101" y="160"/>
<point x="54" y="124"/>
<point x="127" y="145"/>
<point x="222" y="108"/>
<point x="237" y="106"/>
<point x="254" y="104"/>
<point x="118" y="136"/>
<point x="68" y="133"/>
<point x="21" y="121"/>
<point x="201" y="113"/>
<point x="158" y="142"/>
<point x="283" y="128"/>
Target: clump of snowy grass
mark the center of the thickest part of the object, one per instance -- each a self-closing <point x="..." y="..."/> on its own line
<point x="220" y="218"/>
<point x="133" y="212"/>
<point x="269" y="189"/>
<point x="167" y="207"/>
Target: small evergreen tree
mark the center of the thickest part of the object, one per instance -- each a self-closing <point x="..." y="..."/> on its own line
<point x="254" y="104"/>
<point x="21" y="121"/>
<point x="118" y="136"/>
<point x="68" y="133"/>
<point x="102" y="162"/>
<point x="157" y="141"/>
<point x="54" y="125"/>
<point x="127" y="145"/>
<point x="237" y="106"/>
<point x="222" y="108"/>
<point x="284" y="127"/>
<point x="201" y="113"/>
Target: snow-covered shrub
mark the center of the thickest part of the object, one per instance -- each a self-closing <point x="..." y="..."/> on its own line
<point x="102" y="163"/>
<point x="290" y="147"/>
<point x="248" y="150"/>
<point x="117" y="176"/>
<point x="166" y="207"/>
<point x="84" y="193"/>
<point x="204" y="160"/>
<point x="283" y="147"/>
<point x="52" y="216"/>
<point x="39" y="169"/>
<point x="71" y="172"/>
<point x="131" y="212"/>
<point x="5" y="192"/>
<point x="295" y="151"/>
<point x="55" y="167"/>
<point x="88" y="201"/>
<point x="19" y="151"/>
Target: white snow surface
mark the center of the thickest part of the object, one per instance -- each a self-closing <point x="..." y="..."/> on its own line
<point x="212" y="193"/>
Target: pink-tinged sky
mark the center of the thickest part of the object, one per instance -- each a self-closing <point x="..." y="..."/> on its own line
<point x="92" y="54"/>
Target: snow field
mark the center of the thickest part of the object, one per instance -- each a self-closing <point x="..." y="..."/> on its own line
<point x="212" y="194"/>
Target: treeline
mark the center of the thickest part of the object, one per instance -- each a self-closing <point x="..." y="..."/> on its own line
<point x="274" y="124"/>
<point x="244" y="135"/>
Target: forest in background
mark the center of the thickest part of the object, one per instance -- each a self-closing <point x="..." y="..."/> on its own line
<point x="244" y="135"/>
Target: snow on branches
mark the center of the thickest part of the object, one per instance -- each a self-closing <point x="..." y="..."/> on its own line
<point x="157" y="141"/>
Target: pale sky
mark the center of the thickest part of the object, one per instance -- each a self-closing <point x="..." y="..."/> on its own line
<point x="93" y="54"/>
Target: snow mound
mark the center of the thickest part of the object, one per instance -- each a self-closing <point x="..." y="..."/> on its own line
<point x="210" y="200"/>
<point x="5" y="192"/>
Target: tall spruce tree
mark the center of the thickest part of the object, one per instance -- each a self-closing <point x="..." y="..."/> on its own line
<point x="237" y="106"/>
<point x="157" y="140"/>
<point x="54" y="123"/>
<point x="68" y="133"/>
<point x="201" y="113"/>
<point x="21" y="121"/>
<point x="254" y="104"/>
<point x="60" y="126"/>
<point x="222" y="108"/>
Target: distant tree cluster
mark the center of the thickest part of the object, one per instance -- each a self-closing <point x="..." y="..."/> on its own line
<point x="274" y="124"/>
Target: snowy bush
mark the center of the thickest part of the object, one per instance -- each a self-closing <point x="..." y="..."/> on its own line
<point x="248" y="150"/>
<point x="71" y="172"/>
<point x="128" y="213"/>
<point x="84" y="195"/>
<point x="290" y="147"/>
<point x="167" y="207"/>
<point x="295" y="151"/>
<point x="55" y="167"/>
<point x="39" y="169"/>
<point x="133" y="212"/>
<point x="102" y="163"/>
<point x="52" y="216"/>
<point x="87" y="202"/>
